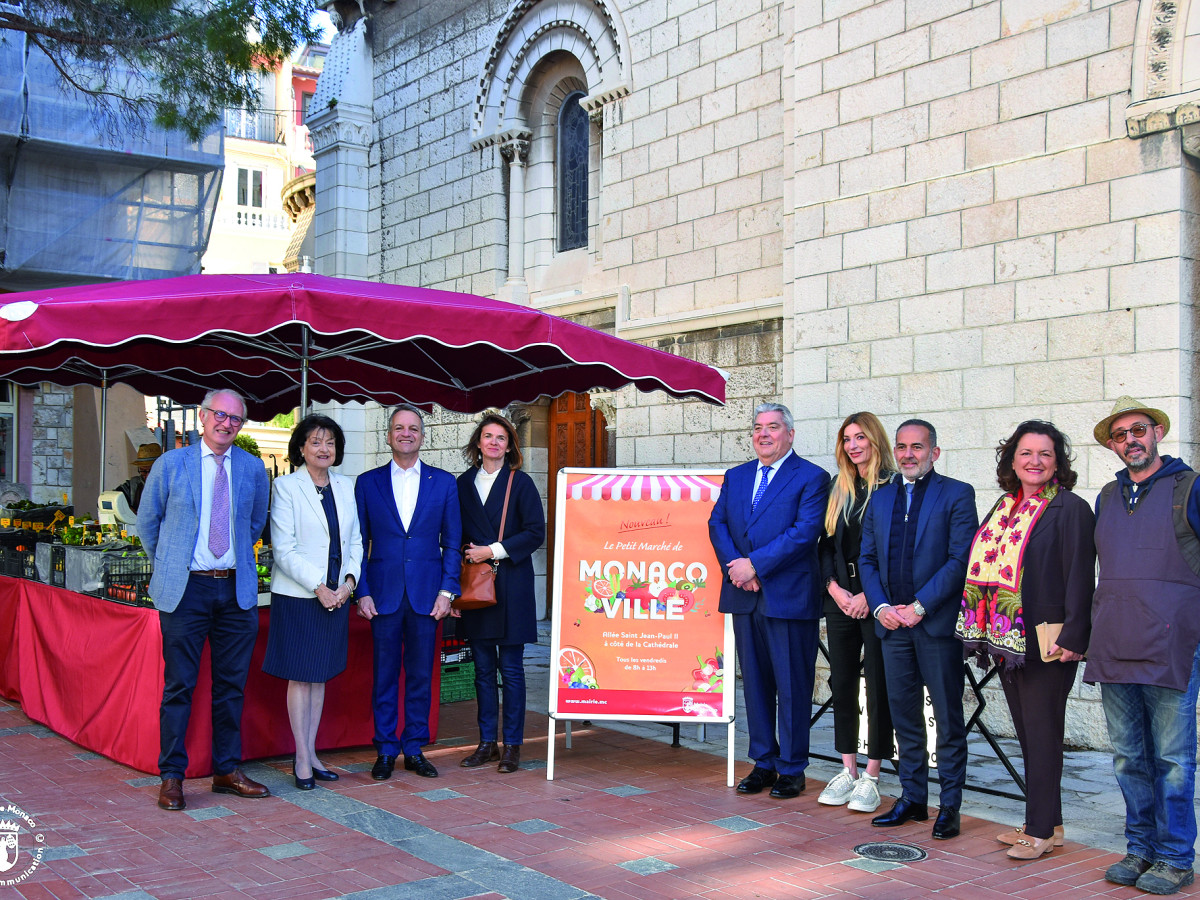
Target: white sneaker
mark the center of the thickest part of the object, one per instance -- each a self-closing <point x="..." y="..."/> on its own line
<point x="838" y="791"/>
<point x="865" y="797"/>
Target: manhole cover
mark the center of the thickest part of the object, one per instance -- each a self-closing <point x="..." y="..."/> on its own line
<point x="885" y="851"/>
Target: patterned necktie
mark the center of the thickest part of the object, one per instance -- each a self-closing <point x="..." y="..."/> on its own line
<point x="762" y="488"/>
<point x="218" y="522"/>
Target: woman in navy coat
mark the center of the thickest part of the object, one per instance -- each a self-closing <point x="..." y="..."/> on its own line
<point x="498" y="634"/>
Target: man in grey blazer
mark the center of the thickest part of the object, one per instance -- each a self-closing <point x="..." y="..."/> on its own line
<point x="202" y="511"/>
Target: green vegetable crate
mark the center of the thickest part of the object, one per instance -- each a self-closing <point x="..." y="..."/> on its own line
<point x="458" y="682"/>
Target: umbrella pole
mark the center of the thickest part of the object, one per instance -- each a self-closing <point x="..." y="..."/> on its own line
<point x="103" y="423"/>
<point x="304" y="351"/>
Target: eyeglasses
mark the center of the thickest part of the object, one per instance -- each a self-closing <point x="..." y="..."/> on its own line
<point x="220" y="415"/>
<point x="1138" y="430"/>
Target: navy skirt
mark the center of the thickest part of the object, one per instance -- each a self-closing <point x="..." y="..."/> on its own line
<point x="306" y="642"/>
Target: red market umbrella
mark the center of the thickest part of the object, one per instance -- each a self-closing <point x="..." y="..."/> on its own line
<point x="282" y="340"/>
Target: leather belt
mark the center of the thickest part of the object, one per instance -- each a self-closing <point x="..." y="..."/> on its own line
<point x="214" y="573"/>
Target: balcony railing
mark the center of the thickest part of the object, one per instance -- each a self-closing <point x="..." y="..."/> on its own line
<point x="264" y="125"/>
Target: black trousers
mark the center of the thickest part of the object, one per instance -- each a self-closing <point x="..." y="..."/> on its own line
<point x="1037" y="698"/>
<point x="853" y="642"/>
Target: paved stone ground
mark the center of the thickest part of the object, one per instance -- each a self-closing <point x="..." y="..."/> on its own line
<point x="627" y="816"/>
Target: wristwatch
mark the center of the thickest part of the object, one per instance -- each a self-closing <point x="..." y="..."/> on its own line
<point x="449" y="596"/>
<point x="920" y="610"/>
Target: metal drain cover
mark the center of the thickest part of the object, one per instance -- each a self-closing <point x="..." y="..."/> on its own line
<point x="887" y="851"/>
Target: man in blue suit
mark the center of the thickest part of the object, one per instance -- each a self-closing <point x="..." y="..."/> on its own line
<point x="917" y="532"/>
<point x="203" y="509"/>
<point x="412" y="529"/>
<point x="764" y="529"/>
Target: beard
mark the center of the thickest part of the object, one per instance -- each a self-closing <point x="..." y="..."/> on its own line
<point x="1147" y="460"/>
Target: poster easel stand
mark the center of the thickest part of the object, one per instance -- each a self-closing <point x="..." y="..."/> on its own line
<point x="552" y="741"/>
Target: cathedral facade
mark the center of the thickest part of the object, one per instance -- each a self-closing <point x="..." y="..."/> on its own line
<point x="971" y="212"/>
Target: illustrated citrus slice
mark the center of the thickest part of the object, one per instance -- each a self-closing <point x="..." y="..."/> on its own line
<point x="571" y="660"/>
<point x="601" y="588"/>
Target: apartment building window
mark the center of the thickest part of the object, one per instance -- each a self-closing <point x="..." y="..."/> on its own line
<point x="250" y="188"/>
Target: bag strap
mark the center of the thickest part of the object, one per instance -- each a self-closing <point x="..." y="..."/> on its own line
<point x="504" y="515"/>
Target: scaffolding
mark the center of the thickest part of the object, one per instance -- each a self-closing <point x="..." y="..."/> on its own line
<point x="84" y="202"/>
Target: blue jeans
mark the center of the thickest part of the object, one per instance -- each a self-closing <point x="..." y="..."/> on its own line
<point x="1153" y="732"/>
<point x="509" y="659"/>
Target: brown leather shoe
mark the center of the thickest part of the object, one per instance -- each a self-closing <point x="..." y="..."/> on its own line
<point x="170" y="795"/>
<point x="237" y="783"/>
<point x="486" y="752"/>
<point x="510" y="760"/>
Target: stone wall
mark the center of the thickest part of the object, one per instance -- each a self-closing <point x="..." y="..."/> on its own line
<point x="53" y="444"/>
<point x="977" y="239"/>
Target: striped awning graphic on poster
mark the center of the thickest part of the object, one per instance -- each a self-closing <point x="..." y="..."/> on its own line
<point x="606" y="486"/>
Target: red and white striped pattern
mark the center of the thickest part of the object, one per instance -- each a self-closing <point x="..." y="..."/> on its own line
<point x="644" y="487"/>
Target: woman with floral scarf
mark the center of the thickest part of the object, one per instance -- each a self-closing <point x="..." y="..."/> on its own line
<point x="1033" y="561"/>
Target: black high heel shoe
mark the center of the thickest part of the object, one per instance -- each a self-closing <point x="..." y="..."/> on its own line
<point x="324" y="774"/>
<point x="304" y="784"/>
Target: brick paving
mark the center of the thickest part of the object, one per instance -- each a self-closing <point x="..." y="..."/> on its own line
<point x="625" y="817"/>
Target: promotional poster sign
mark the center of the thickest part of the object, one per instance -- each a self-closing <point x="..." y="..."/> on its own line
<point x="637" y="634"/>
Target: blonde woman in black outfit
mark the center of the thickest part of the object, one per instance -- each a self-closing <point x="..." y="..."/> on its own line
<point x="864" y="463"/>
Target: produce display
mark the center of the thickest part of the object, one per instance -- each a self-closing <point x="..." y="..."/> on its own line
<point x="45" y="542"/>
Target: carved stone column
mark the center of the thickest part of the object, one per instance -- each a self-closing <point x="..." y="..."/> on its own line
<point x="516" y="151"/>
<point x="342" y="127"/>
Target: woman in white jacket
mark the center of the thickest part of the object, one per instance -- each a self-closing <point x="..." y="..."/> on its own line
<point x="317" y="550"/>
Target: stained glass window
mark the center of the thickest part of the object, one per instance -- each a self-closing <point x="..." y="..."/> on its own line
<point x="573" y="136"/>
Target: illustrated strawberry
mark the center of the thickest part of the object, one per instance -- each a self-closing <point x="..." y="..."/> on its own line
<point x="640" y="592"/>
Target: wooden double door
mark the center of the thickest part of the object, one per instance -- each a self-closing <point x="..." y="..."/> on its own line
<point x="578" y="437"/>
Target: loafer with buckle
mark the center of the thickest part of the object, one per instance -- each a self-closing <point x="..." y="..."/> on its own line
<point x="170" y="794"/>
<point x="236" y="782"/>
<point x="1128" y="870"/>
<point x="382" y="770"/>
<point x="486" y="752"/>
<point x="510" y="760"/>
<point x="1030" y="847"/>
<point x="903" y="810"/>
<point x="420" y="765"/>
<point x="946" y="825"/>
<point x="1164" y="878"/>
<point x="1018" y="834"/>
<point x="758" y="779"/>
<point x="787" y="787"/>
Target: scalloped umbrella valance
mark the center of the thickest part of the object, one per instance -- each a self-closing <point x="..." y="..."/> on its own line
<point x="284" y="340"/>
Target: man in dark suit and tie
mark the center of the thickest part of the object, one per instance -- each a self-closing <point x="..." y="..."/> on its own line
<point x="412" y="529"/>
<point x="764" y="529"/>
<point x="917" y="533"/>
<point x="202" y="510"/>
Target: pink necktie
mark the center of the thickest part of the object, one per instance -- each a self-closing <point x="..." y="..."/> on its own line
<point x="218" y="522"/>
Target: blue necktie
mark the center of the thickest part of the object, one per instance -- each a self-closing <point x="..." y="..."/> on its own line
<point x="908" y="489"/>
<point x="762" y="488"/>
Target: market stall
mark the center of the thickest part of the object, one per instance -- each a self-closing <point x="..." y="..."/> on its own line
<point x="94" y="672"/>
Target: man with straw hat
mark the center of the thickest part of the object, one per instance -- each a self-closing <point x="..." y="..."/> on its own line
<point x="133" y="487"/>
<point x="1143" y="653"/>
